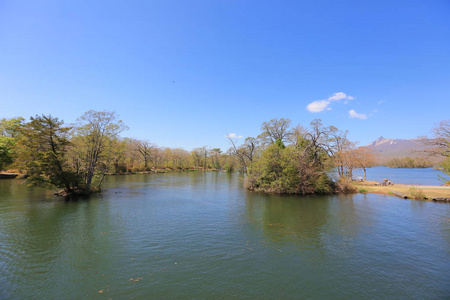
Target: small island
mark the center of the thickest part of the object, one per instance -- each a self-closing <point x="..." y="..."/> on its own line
<point x="74" y="160"/>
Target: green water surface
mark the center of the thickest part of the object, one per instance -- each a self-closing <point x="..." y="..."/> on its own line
<point x="202" y="236"/>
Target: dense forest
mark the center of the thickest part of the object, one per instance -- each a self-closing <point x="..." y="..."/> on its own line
<point x="75" y="159"/>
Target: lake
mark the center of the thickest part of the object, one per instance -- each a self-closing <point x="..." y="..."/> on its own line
<point x="195" y="235"/>
<point x="425" y="176"/>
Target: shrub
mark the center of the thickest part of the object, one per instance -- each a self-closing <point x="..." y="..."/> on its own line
<point x="416" y="193"/>
<point x="323" y="185"/>
<point x="344" y="185"/>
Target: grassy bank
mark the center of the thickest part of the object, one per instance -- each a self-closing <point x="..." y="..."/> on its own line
<point x="418" y="192"/>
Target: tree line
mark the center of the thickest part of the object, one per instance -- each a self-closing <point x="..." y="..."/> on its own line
<point x="76" y="158"/>
<point x="408" y="162"/>
<point x="281" y="159"/>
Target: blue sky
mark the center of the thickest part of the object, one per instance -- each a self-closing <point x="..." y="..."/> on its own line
<point x="186" y="73"/>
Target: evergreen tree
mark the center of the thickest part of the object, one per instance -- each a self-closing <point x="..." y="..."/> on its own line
<point x="42" y="149"/>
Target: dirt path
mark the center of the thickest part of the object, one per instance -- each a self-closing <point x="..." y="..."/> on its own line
<point x="424" y="186"/>
<point x="430" y="187"/>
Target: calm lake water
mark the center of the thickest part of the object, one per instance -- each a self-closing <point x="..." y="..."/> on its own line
<point x="202" y="236"/>
<point x="425" y="176"/>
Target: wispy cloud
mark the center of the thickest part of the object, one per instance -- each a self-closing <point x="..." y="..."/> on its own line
<point x="340" y="96"/>
<point x="320" y="105"/>
<point x="354" y="115"/>
<point x="380" y="102"/>
<point x="234" y="136"/>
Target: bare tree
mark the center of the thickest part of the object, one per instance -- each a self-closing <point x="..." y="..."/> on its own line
<point x="245" y="152"/>
<point x="276" y="129"/>
<point x="319" y="144"/>
<point x="249" y="148"/>
<point x="442" y="143"/>
<point x="339" y="144"/>
<point x="96" y="131"/>
<point x="145" y="148"/>
<point x="234" y="150"/>
<point x="442" y="138"/>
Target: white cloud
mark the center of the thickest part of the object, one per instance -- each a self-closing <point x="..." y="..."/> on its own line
<point x="338" y="96"/>
<point x="320" y="105"/>
<point x="353" y="114"/>
<point x="234" y="136"/>
<point x="380" y="102"/>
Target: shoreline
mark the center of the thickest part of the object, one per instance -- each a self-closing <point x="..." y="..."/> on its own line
<point x="436" y="193"/>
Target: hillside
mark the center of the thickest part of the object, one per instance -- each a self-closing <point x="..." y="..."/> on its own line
<point x="387" y="149"/>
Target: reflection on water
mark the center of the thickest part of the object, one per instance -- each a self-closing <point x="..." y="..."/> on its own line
<point x="49" y="242"/>
<point x="285" y="221"/>
<point x="201" y="235"/>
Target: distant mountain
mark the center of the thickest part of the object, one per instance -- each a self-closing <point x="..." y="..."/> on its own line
<point x="387" y="149"/>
